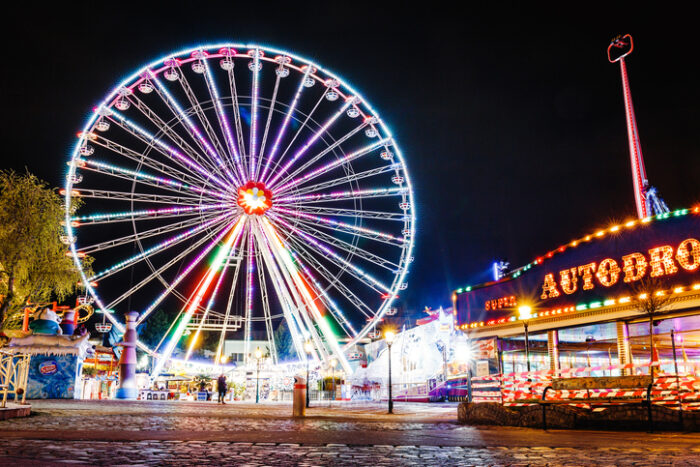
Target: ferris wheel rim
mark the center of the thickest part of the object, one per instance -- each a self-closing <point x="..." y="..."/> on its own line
<point x="134" y="78"/>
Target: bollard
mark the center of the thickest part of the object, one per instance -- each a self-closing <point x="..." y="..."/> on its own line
<point x="299" y="399"/>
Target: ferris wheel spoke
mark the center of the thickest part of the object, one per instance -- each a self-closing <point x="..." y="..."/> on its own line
<point x="350" y="248"/>
<point x="234" y="153"/>
<point x="165" y="149"/>
<point x="266" y="309"/>
<point x="285" y="122"/>
<point x="146" y="214"/>
<point x="168" y="130"/>
<point x="229" y="304"/>
<point x="338" y="260"/>
<point x="236" y="114"/>
<point x="254" y="113"/>
<point x="201" y="140"/>
<point x="250" y="265"/>
<point x="332" y="279"/>
<point x="148" y="179"/>
<point x="341" y="196"/>
<point x="321" y="291"/>
<point x="359" y="214"/>
<point x="270" y="112"/>
<point x="317" y="134"/>
<point x="217" y="152"/>
<point x="210" y="303"/>
<point x="345" y="179"/>
<point x="156" y="249"/>
<point x="174" y="260"/>
<point x="305" y="307"/>
<point x="89" y="249"/>
<point x="289" y="308"/>
<point x="332" y="224"/>
<point x="332" y="165"/>
<point x="138" y="197"/>
<point x="194" y="179"/>
<point x="320" y="155"/>
<point x="304" y="290"/>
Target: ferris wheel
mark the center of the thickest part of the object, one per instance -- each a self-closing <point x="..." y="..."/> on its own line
<point x="234" y="187"/>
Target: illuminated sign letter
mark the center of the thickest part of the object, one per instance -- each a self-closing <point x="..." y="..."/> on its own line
<point x="635" y="266"/>
<point x="569" y="280"/>
<point x="586" y="272"/>
<point x="661" y="261"/>
<point x="688" y="254"/>
<point x="549" y="288"/>
<point x="608" y="272"/>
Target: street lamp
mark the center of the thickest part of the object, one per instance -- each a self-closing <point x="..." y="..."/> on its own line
<point x="333" y="363"/>
<point x="258" y="357"/>
<point x="309" y="348"/>
<point x="389" y="338"/>
<point x="525" y="313"/>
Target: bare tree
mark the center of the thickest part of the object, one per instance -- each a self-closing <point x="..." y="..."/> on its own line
<point x="652" y="297"/>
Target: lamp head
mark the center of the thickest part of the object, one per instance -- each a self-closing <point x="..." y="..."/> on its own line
<point x="389" y="336"/>
<point x="525" y="312"/>
<point x="258" y="353"/>
<point x="308" y="347"/>
<point x="333" y="363"/>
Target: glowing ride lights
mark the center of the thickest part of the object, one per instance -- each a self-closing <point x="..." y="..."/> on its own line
<point x="254" y="198"/>
<point x="209" y="173"/>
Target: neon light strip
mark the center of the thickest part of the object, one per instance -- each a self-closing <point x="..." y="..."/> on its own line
<point x="308" y="143"/>
<point x="224" y="121"/>
<point x="145" y="176"/>
<point x="331" y="165"/>
<point x="333" y="222"/>
<point x="194" y="303"/>
<point x="171" y="151"/>
<point x="287" y="118"/>
<point x="250" y="265"/>
<point x="332" y="253"/>
<point x="338" y="195"/>
<point x="254" y="115"/>
<point x="193" y="128"/>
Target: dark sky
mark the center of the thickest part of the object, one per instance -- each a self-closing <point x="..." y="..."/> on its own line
<point x="511" y="119"/>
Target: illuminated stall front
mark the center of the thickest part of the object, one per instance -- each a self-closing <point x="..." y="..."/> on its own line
<point x="588" y="303"/>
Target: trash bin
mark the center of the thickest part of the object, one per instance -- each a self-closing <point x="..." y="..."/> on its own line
<point x="299" y="399"/>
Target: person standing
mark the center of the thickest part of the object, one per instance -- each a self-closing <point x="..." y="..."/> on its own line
<point x="221" y="387"/>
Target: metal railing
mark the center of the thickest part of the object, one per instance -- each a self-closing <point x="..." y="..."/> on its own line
<point x="14" y="370"/>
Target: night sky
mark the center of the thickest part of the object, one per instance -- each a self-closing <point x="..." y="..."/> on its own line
<point x="511" y="120"/>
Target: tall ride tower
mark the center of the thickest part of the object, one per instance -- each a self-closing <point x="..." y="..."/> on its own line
<point x="647" y="200"/>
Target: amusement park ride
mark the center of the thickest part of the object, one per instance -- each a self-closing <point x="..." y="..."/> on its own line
<point x="646" y="198"/>
<point x="235" y="186"/>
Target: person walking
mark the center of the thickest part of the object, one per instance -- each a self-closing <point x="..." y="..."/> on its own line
<point x="221" y="387"/>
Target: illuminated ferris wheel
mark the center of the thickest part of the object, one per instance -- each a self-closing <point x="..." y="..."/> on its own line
<point x="234" y="187"/>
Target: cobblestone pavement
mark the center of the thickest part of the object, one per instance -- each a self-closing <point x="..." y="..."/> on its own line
<point x="182" y="433"/>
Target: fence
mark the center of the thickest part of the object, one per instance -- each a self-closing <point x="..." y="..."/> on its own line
<point x="14" y="370"/>
<point x="677" y="391"/>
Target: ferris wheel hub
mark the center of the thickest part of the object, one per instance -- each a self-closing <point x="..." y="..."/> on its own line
<point x="254" y="198"/>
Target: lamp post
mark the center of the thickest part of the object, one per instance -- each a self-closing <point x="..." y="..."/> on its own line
<point x="258" y="357"/>
<point x="525" y="313"/>
<point x="309" y="348"/>
<point x="333" y="363"/>
<point x="389" y="338"/>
